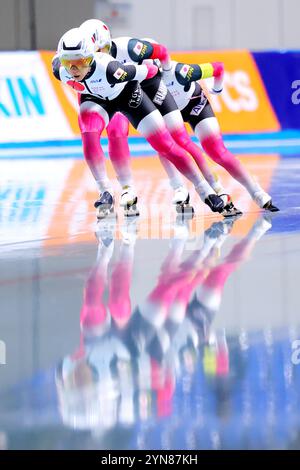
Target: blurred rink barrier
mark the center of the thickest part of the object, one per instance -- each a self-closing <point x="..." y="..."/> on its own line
<point x="261" y="94"/>
<point x="258" y="111"/>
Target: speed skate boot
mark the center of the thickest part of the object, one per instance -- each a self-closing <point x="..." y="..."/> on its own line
<point x="215" y="203"/>
<point x="229" y="208"/>
<point x="181" y="200"/>
<point x="105" y="205"/>
<point x="264" y="201"/>
<point x="129" y="202"/>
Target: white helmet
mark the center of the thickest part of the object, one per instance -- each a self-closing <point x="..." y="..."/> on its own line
<point x="150" y="40"/>
<point x="98" y="32"/>
<point x="74" y="45"/>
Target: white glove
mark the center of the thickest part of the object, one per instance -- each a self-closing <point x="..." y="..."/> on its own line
<point x="218" y="85"/>
<point x="168" y="75"/>
<point x="215" y="92"/>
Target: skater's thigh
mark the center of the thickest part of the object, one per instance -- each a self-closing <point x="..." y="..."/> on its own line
<point x="207" y="127"/>
<point x="91" y="110"/>
<point x="197" y="111"/>
<point x="157" y="91"/>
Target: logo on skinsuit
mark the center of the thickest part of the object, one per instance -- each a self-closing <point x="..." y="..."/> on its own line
<point x="136" y="97"/>
<point x="140" y="49"/>
<point x="160" y="94"/>
<point x="98" y="90"/>
<point x="198" y="108"/>
<point x="184" y="70"/>
<point x="120" y="74"/>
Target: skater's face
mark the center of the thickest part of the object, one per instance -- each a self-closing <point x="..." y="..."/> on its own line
<point x="104" y="50"/>
<point x="78" y="68"/>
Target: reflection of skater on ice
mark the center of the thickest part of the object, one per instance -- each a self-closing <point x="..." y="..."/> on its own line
<point x="128" y="362"/>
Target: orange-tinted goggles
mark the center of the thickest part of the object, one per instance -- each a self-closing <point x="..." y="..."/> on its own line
<point x="105" y="49"/>
<point x="84" y="62"/>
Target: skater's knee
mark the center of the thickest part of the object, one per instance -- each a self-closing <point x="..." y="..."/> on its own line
<point x="118" y="127"/>
<point x="181" y="137"/>
<point x="162" y="142"/>
<point x="116" y="133"/>
<point x="215" y="148"/>
<point x="166" y="148"/>
<point x="217" y="156"/>
<point x="182" y="140"/>
<point x="90" y="121"/>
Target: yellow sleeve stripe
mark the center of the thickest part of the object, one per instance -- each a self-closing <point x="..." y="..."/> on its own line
<point x="207" y="70"/>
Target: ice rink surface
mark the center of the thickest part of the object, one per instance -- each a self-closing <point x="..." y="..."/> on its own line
<point x="157" y="332"/>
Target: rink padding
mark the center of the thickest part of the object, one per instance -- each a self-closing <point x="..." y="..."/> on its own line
<point x="286" y="143"/>
<point x="260" y="95"/>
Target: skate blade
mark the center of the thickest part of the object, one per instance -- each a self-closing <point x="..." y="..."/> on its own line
<point x="104" y="213"/>
<point x="131" y="214"/>
<point x="233" y="213"/>
<point x="270" y="207"/>
<point x="184" y="209"/>
<point x="131" y="211"/>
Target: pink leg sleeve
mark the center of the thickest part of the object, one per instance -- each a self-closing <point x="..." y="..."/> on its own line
<point x="239" y="253"/>
<point x="164" y="144"/>
<point x="93" y="311"/>
<point x="119" y="292"/>
<point x="182" y="138"/>
<point x="91" y="125"/>
<point x="214" y="146"/>
<point x="118" y="148"/>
